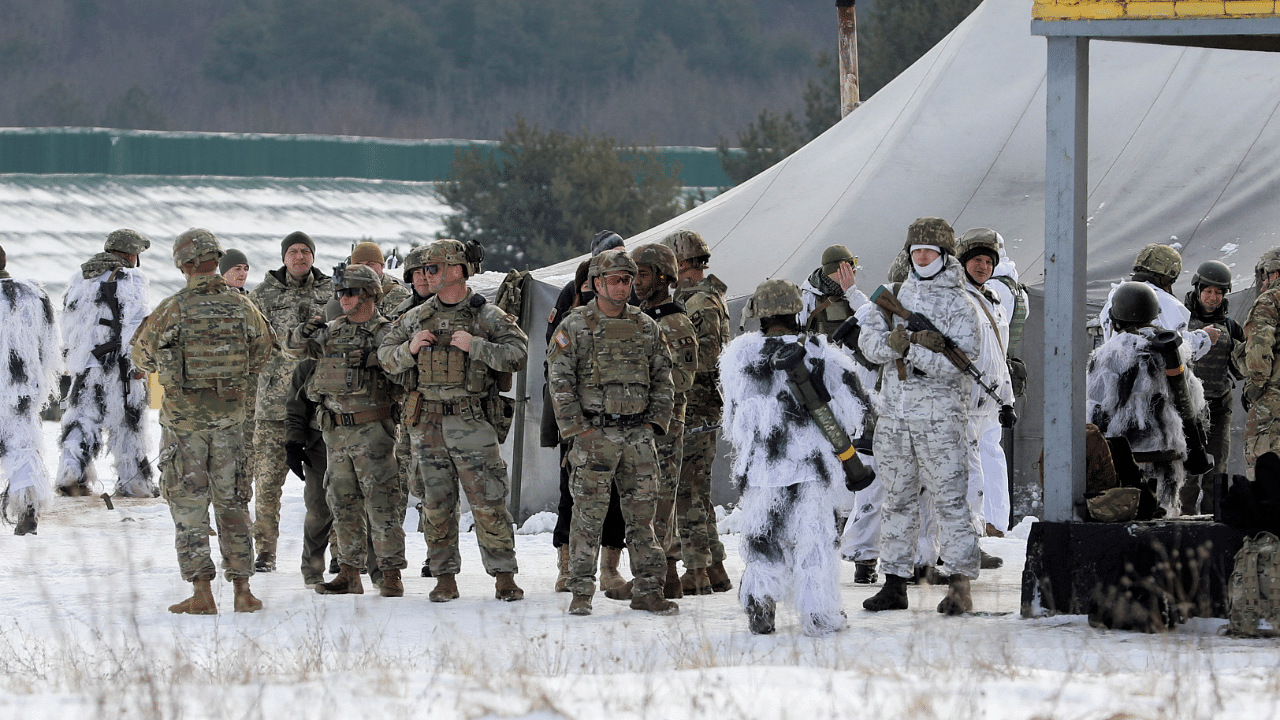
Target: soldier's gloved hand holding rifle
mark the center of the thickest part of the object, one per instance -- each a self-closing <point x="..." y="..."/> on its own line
<point x="927" y="335"/>
<point x="312" y="326"/>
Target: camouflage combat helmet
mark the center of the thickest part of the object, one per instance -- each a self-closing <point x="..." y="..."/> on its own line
<point x="417" y="258"/>
<point x="1134" y="303"/>
<point x="1268" y="263"/>
<point x="195" y="246"/>
<point x="979" y="240"/>
<point x="833" y="256"/>
<point x="774" y="297"/>
<point x="659" y="257"/>
<point x="612" y="261"/>
<point x="126" y="241"/>
<point x="688" y="245"/>
<point x="932" y="231"/>
<point x="346" y="277"/>
<point x="1212" y="273"/>
<point x="1159" y="260"/>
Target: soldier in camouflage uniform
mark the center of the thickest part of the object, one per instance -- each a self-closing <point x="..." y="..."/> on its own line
<point x="287" y="297"/>
<point x="610" y="376"/>
<point x="655" y="274"/>
<point x="1261" y="383"/>
<point x="459" y="344"/>
<point x="393" y="293"/>
<point x="703" y="298"/>
<point x="1218" y="372"/>
<point x="926" y="398"/>
<point x="356" y="411"/>
<point x="207" y="343"/>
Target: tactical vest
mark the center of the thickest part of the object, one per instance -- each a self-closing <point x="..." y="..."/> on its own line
<point x="1018" y="314"/>
<point x="339" y="373"/>
<point x="441" y="365"/>
<point x="619" y="361"/>
<point x="1214" y="368"/>
<point x="830" y="312"/>
<point x="213" y="342"/>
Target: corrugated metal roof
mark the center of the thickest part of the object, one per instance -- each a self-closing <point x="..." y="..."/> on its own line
<point x="52" y="223"/>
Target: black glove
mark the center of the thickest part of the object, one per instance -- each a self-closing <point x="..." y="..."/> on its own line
<point x="312" y="326"/>
<point x="295" y="457"/>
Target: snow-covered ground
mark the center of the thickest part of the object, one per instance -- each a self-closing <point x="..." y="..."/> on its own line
<point x="84" y="632"/>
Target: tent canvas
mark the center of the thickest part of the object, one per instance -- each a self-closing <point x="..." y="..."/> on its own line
<point x="1182" y="150"/>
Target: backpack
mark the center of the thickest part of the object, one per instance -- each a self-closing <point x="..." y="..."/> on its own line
<point x="1018" y="317"/>
<point x="1253" y="593"/>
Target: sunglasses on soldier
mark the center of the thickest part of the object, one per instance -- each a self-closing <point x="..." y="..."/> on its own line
<point x="431" y="269"/>
<point x="347" y="292"/>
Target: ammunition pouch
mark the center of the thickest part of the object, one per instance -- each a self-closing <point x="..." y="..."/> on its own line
<point x="442" y="366"/>
<point x="338" y="375"/>
<point x="501" y="410"/>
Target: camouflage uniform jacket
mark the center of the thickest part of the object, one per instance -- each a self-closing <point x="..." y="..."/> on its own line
<point x="1260" y="367"/>
<point x="598" y="365"/>
<point x="944" y="300"/>
<point x="344" y="350"/>
<point x="682" y="344"/>
<point x="393" y="293"/>
<point x="285" y="303"/>
<point x="171" y="340"/>
<point x="498" y="345"/>
<point x="704" y="302"/>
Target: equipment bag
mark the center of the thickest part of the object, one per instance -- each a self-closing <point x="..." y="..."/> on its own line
<point x="1253" y="593"/>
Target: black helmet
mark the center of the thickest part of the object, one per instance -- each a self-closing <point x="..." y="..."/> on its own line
<point x="1134" y="303"/>
<point x="1212" y="273"/>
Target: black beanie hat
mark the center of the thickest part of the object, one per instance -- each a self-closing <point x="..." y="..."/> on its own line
<point x="231" y="259"/>
<point x="294" y="238"/>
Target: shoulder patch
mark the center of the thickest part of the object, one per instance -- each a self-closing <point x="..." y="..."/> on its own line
<point x="477" y="300"/>
<point x="561" y="339"/>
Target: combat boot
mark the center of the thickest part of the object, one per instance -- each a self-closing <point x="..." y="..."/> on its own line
<point x="26" y="523"/>
<point x="245" y="601"/>
<point x="562" y="566"/>
<point x="609" y="576"/>
<point x="201" y="601"/>
<point x="893" y="596"/>
<point x="78" y="488"/>
<point x="720" y="581"/>
<point x="700" y="581"/>
<point x="391" y="585"/>
<point x="989" y="562"/>
<point x="347" y="583"/>
<point x="864" y="572"/>
<point x="581" y="605"/>
<point x="654" y="603"/>
<point x="958" y="600"/>
<point x="760" y="615"/>
<point x="622" y="592"/>
<point x="672" y="589"/>
<point x="446" y="589"/>
<point x="506" y="589"/>
<point x="265" y="563"/>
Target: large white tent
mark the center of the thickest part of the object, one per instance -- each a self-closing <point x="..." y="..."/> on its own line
<point x="1183" y="149"/>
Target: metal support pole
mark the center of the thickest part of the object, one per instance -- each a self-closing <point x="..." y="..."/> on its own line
<point x="1065" y="244"/>
<point x="850" y="94"/>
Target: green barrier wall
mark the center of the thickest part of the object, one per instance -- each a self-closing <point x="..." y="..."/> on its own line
<point x="137" y="152"/>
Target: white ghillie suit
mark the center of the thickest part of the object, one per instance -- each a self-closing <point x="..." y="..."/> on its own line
<point x="1128" y="396"/>
<point x="104" y="396"/>
<point x="32" y="363"/>
<point x="788" y="473"/>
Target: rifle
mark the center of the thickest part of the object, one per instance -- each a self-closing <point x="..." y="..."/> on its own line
<point x="884" y="298"/>
<point x="111" y="350"/>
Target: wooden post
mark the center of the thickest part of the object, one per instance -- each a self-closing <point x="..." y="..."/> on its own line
<point x="850" y="95"/>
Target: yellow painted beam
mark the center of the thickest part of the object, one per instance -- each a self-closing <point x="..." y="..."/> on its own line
<point x="1152" y="9"/>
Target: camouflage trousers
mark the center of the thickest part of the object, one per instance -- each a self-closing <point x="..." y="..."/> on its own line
<point x="700" y="545"/>
<point x="366" y="497"/>
<point x="199" y="468"/>
<point x="1197" y="495"/>
<point x="670" y="449"/>
<point x="625" y="458"/>
<point x="453" y="450"/>
<point x="269" y="473"/>
<point x="925" y="453"/>
<point x="1262" y="428"/>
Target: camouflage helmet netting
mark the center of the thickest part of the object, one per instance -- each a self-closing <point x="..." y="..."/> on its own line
<point x="195" y="246"/>
<point x="416" y="258"/>
<point x="657" y="256"/>
<point x="774" y="297"/>
<point x="979" y="240"/>
<point x="1268" y="263"/>
<point x="612" y="261"/>
<point x="1160" y="260"/>
<point x="126" y="241"/>
<point x="446" y="252"/>
<point x="687" y="245"/>
<point x="932" y="231"/>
